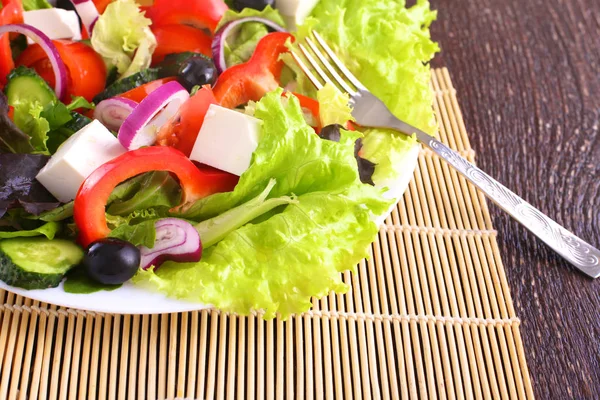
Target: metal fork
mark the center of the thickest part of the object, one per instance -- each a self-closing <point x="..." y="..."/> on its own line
<point x="369" y="111"/>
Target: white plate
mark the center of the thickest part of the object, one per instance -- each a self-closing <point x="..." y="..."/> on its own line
<point x="130" y="299"/>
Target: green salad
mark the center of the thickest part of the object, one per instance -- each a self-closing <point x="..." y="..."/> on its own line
<point x="180" y="148"/>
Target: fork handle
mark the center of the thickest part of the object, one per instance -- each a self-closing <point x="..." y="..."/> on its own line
<point x="579" y="253"/>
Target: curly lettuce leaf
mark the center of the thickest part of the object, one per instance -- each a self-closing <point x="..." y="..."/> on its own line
<point x="122" y="36"/>
<point x="388" y="47"/>
<point x="277" y="263"/>
<point x="333" y="106"/>
<point x="28" y="117"/>
<point x="241" y="44"/>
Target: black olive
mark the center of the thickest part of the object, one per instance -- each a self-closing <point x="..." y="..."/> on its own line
<point x="111" y="261"/>
<point x="197" y="71"/>
<point x="366" y="168"/>
<point x="65" y="5"/>
<point x="260" y="5"/>
<point x="331" y="132"/>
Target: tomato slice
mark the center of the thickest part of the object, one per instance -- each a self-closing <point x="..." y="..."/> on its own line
<point x="178" y="39"/>
<point x="101" y="5"/>
<point x="203" y="14"/>
<point x="11" y="13"/>
<point x="139" y="93"/>
<point x="86" y="69"/>
<point x="181" y="131"/>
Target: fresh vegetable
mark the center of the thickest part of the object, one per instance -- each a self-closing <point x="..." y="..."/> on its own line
<point x="101" y="5"/>
<point x="19" y="188"/>
<point x="59" y="135"/>
<point x="176" y="240"/>
<point x="11" y="12"/>
<point x="25" y="83"/>
<point x="250" y="27"/>
<point x="310" y="109"/>
<point x="182" y="129"/>
<point x="239" y="5"/>
<point x="172" y="39"/>
<point x="111" y="261"/>
<point x="87" y="13"/>
<point x="123" y="37"/>
<point x="95" y="191"/>
<point x="134" y="87"/>
<point x="331" y="132"/>
<point x="112" y="112"/>
<point x="256" y="77"/>
<point x="191" y="69"/>
<point x="49" y="230"/>
<point x="140" y="128"/>
<point x="58" y="66"/>
<point x="12" y="139"/>
<point x="86" y="71"/>
<point x="390" y="49"/>
<point x="197" y="13"/>
<point x="78" y="281"/>
<point x="279" y="261"/>
<point x="37" y="263"/>
<point x="30" y="5"/>
<point x="215" y="229"/>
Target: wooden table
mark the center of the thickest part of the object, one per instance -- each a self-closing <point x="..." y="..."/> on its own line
<point x="528" y="76"/>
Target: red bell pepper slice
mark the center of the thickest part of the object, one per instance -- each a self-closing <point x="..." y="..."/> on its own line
<point x="91" y="199"/>
<point x="256" y="77"/>
<point x="179" y="39"/>
<point x="182" y="130"/>
<point x="197" y="13"/>
<point x="86" y="69"/>
<point x="11" y="13"/>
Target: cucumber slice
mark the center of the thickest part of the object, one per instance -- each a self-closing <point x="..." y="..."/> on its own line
<point x="126" y="84"/>
<point x="37" y="263"/>
<point x="25" y="83"/>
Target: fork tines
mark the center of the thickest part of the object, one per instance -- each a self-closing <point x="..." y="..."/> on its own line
<point x="319" y="56"/>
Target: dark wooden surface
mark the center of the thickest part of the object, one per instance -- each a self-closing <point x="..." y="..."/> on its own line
<point x="528" y="80"/>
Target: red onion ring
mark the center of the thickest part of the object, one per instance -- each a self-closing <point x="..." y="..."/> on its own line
<point x="112" y="112"/>
<point x="39" y="37"/>
<point x="176" y="240"/>
<point x="142" y="125"/>
<point x="87" y="12"/>
<point x="223" y="33"/>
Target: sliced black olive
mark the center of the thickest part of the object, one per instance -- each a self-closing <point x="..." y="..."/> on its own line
<point x="331" y="132"/>
<point x="191" y="69"/>
<point x="111" y="261"/>
<point x="366" y="168"/>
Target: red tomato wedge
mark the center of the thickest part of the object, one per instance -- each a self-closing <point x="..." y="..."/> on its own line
<point x="179" y="39"/>
<point x="139" y="93"/>
<point x="11" y="13"/>
<point x="181" y="131"/>
<point x="86" y="69"/>
<point x="203" y="14"/>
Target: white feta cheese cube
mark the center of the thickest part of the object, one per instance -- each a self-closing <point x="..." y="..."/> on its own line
<point x="294" y="12"/>
<point x="226" y="140"/>
<point x="56" y="23"/>
<point x="89" y="148"/>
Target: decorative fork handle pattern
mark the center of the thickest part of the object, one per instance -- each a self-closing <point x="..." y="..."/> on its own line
<point x="579" y="253"/>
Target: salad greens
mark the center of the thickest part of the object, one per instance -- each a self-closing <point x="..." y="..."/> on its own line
<point x="387" y="47"/>
<point x="278" y="263"/>
<point x="239" y="47"/>
<point x="304" y="209"/>
<point x="123" y="37"/>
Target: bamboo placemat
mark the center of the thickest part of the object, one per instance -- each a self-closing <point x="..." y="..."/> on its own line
<point x="429" y="316"/>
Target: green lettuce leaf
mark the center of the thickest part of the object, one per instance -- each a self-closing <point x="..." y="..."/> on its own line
<point x="388" y="47"/>
<point x="122" y="36"/>
<point x="277" y="263"/>
<point x="241" y="44"/>
<point x="333" y="106"/>
<point x="140" y="234"/>
<point x="49" y="229"/>
<point x="28" y="117"/>
<point x="30" y="5"/>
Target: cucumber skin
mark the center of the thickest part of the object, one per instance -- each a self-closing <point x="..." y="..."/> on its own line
<point x="127" y="84"/>
<point x="14" y="275"/>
